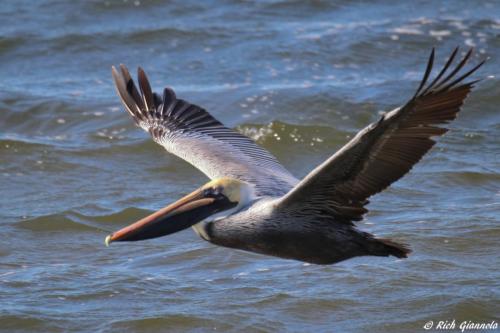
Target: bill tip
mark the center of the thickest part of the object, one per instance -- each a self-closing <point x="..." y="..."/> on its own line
<point x="107" y="240"/>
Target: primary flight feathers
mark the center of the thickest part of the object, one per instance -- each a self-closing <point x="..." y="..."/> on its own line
<point x="386" y="150"/>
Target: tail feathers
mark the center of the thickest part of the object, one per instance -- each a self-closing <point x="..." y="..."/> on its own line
<point x="390" y="247"/>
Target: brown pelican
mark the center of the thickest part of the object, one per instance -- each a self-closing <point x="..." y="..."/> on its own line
<point x="253" y="203"/>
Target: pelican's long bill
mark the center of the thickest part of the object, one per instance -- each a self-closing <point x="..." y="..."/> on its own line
<point x="178" y="216"/>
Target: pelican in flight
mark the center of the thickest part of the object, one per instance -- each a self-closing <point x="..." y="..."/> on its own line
<point x="253" y="203"/>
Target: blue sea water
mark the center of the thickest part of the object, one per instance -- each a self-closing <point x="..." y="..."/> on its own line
<point x="299" y="77"/>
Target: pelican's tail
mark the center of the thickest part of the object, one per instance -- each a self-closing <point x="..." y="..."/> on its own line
<point x="386" y="247"/>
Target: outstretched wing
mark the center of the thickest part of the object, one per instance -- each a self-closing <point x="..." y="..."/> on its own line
<point x="191" y="133"/>
<point x="384" y="151"/>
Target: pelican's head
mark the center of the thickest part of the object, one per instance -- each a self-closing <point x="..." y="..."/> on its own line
<point x="218" y="198"/>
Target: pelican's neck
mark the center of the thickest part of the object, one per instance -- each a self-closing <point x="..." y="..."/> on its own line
<point x="247" y="197"/>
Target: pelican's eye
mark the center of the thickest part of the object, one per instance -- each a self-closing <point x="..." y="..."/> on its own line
<point x="217" y="190"/>
<point x="213" y="192"/>
<point x="208" y="192"/>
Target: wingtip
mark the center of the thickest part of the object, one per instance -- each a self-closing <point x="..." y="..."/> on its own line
<point x="141" y="75"/>
<point x="467" y="55"/>
<point x="125" y="72"/>
<point x="117" y="77"/>
<point x="147" y="93"/>
<point x="114" y="73"/>
<point x="428" y="70"/>
<point x="432" y="56"/>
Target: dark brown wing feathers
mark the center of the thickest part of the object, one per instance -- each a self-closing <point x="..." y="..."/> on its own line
<point x="147" y="106"/>
<point x="146" y="91"/>
<point x="386" y="150"/>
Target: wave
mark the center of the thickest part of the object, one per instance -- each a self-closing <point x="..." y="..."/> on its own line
<point x="8" y="44"/>
<point x="174" y="322"/>
<point x="76" y="221"/>
<point x="56" y="222"/>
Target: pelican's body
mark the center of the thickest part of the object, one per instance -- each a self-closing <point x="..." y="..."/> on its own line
<point x="263" y="229"/>
<point x="253" y="203"/>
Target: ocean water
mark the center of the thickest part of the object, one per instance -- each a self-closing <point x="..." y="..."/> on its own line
<point x="299" y="77"/>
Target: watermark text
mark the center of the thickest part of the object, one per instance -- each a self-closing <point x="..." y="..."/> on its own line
<point x="462" y="326"/>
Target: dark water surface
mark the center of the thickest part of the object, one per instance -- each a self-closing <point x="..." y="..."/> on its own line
<point x="300" y="77"/>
